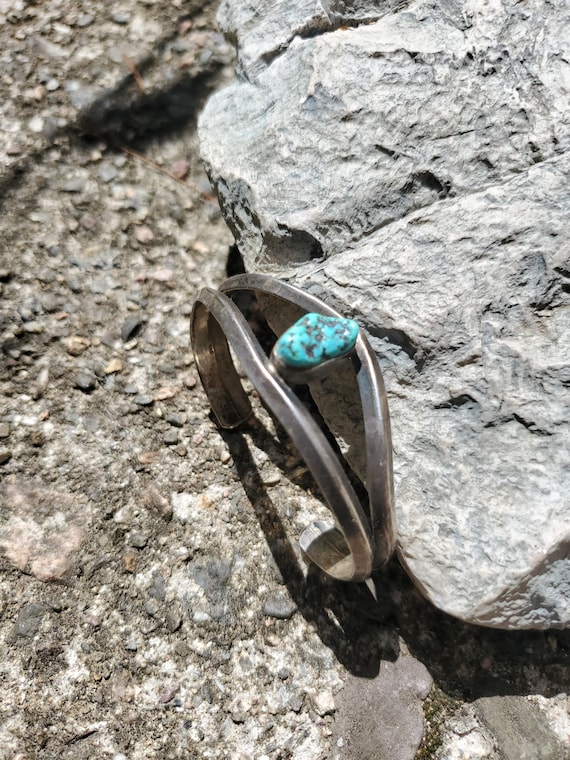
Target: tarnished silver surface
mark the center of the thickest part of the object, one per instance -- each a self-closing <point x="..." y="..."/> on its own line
<point x="359" y="541"/>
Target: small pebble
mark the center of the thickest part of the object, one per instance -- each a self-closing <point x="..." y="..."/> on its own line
<point x="184" y="26"/>
<point x="225" y="457"/>
<point x="176" y="419"/>
<point x="88" y="222"/>
<point x="130" y="327"/>
<point x="190" y="381"/>
<point x="29" y="619"/>
<point x="180" y="46"/>
<point x="184" y="553"/>
<point x="166" y="392"/>
<point x="76" y="344"/>
<point x="157" y="589"/>
<point x="107" y="172"/>
<point x="131" y="644"/>
<point x="73" y="184"/>
<point x="153" y="500"/>
<point x="168" y="696"/>
<point x="137" y="539"/>
<point x="171" y="437"/>
<point x="163" y="274"/>
<point x="115" y="365"/>
<point x="144" y="399"/>
<point x="4" y="429"/>
<point x="240" y="706"/>
<point x="295" y="701"/>
<point x="41" y="384"/>
<point x="51" y="127"/>
<point x="36" y="124"/>
<point x="85" y="19"/>
<point x="37" y="438"/>
<point x="50" y="302"/>
<point x="271" y="478"/>
<point x="85" y="381"/>
<point x="173" y="619"/>
<point x="52" y="85"/>
<point x="107" y="339"/>
<point x="33" y="327"/>
<point x="144" y="234"/>
<point x="151" y="608"/>
<point x="5" y="456"/>
<point x="323" y="703"/>
<point x="279" y="605"/>
<point x="180" y="169"/>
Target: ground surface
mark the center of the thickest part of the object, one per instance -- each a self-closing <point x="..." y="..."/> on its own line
<point x="151" y="605"/>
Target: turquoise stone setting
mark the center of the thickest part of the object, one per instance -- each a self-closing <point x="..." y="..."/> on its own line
<point x="314" y="339"/>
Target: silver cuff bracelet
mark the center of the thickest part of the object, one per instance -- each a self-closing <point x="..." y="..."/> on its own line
<point x="361" y="539"/>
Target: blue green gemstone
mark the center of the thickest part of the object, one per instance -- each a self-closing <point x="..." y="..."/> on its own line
<point x="314" y="339"/>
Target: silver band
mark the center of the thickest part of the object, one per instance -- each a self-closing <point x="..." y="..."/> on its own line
<point x="359" y="542"/>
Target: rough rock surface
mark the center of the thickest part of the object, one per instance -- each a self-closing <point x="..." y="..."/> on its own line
<point x="42" y="532"/>
<point x="410" y="166"/>
<point x="380" y="718"/>
<point x="519" y="729"/>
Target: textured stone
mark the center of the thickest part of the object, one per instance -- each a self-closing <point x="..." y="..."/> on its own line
<point x="279" y="605"/>
<point x="381" y="718"/>
<point x="39" y="531"/>
<point x="519" y="729"/>
<point x="476" y="366"/>
<point x="412" y="171"/>
<point x="29" y="619"/>
<point x="5" y="456"/>
<point x="85" y="380"/>
<point x="347" y="131"/>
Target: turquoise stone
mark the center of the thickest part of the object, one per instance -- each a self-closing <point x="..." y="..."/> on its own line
<point x="313" y="339"/>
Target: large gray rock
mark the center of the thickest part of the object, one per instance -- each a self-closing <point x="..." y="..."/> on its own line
<point x="412" y="171"/>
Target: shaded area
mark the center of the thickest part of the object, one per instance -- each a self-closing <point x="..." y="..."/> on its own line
<point x="470" y="661"/>
<point x="125" y="116"/>
<point x="343" y="614"/>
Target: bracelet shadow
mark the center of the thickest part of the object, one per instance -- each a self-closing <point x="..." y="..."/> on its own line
<point x="343" y="614"/>
<point x="466" y="661"/>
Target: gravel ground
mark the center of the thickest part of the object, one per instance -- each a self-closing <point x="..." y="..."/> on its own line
<point x="151" y="604"/>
